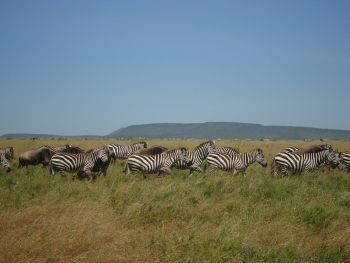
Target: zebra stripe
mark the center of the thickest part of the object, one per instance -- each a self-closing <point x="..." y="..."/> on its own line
<point x="155" y="163"/>
<point x="291" y="149"/>
<point x="196" y="157"/>
<point x="298" y="163"/>
<point x="80" y="162"/>
<point x="223" y="149"/>
<point x="5" y="162"/>
<point x="8" y="151"/>
<point x="124" y="151"/>
<point x="237" y="162"/>
<point x="345" y="160"/>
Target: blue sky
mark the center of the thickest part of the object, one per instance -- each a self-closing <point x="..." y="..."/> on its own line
<point x="91" y="67"/>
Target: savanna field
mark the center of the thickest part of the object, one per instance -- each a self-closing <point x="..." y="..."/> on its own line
<point x="210" y="217"/>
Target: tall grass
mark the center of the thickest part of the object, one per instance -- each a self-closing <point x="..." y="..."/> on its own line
<point x="211" y="217"/>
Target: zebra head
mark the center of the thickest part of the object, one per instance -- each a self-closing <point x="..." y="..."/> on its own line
<point x="9" y="153"/>
<point x="333" y="158"/>
<point x="140" y="145"/>
<point x="102" y="154"/>
<point x="184" y="156"/>
<point x="204" y="148"/>
<point x="259" y="157"/>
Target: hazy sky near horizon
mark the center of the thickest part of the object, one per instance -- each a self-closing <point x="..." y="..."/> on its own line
<point x="91" y="67"/>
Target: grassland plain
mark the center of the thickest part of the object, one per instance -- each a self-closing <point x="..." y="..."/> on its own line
<point x="212" y="217"/>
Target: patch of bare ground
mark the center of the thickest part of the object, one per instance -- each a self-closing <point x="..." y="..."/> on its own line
<point x="71" y="232"/>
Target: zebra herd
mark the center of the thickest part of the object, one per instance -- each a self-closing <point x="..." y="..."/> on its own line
<point x="159" y="159"/>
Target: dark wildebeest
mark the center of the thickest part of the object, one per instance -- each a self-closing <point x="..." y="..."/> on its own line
<point x="43" y="154"/>
<point x="151" y="151"/>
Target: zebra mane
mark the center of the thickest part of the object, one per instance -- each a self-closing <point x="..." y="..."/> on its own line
<point x="315" y="149"/>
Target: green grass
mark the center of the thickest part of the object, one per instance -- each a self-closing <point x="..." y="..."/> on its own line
<point x="211" y="217"/>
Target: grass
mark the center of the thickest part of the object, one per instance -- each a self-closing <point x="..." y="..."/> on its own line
<point x="212" y="217"/>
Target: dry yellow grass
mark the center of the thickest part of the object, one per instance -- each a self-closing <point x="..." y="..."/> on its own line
<point x="213" y="217"/>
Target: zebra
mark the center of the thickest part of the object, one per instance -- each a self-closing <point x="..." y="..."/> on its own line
<point x="314" y="149"/>
<point x="299" y="162"/>
<point x="196" y="157"/>
<point x="345" y="160"/>
<point x="155" y="163"/>
<point x="238" y="162"/>
<point x="5" y="162"/>
<point x="124" y="151"/>
<point x="8" y="151"/>
<point x="82" y="163"/>
<point x="6" y="155"/>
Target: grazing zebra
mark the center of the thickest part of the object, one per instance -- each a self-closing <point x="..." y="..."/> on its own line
<point x="196" y="157"/>
<point x="238" y="162"/>
<point x="79" y="162"/>
<point x="223" y="149"/>
<point x="299" y="162"/>
<point x="155" y="163"/>
<point x="345" y="160"/>
<point x="124" y="151"/>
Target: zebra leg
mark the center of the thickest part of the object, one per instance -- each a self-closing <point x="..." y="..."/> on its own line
<point x="127" y="169"/>
<point x="195" y="168"/>
<point x="205" y="167"/>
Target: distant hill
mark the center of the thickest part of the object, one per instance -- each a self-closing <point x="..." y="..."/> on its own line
<point x="44" y="136"/>
<point x="208" y="130"/>
<point x="226" y="130"/>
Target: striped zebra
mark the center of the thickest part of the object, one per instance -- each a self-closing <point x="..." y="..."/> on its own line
<point x="345" y="160"/>
<point x="196" y="157"/>
<point x="82" y="163"/>
<point x="238" y="162"/>
<point x="6" y="155"/>
<point x="299" y="162"/>
<point x="155" y="163"/>
<point x="124" y="151"/>
<point x="8" y="151"/>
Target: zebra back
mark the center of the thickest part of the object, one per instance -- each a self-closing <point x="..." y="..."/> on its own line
<point x="124" y="151"/>
<point x="223" y="149"/>
<point x="155" y="163"/>
<point x="240" y="161"/>
<point x="291" y="149"/>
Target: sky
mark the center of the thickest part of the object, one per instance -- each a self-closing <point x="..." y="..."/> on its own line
<point x="92" y="67"/>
